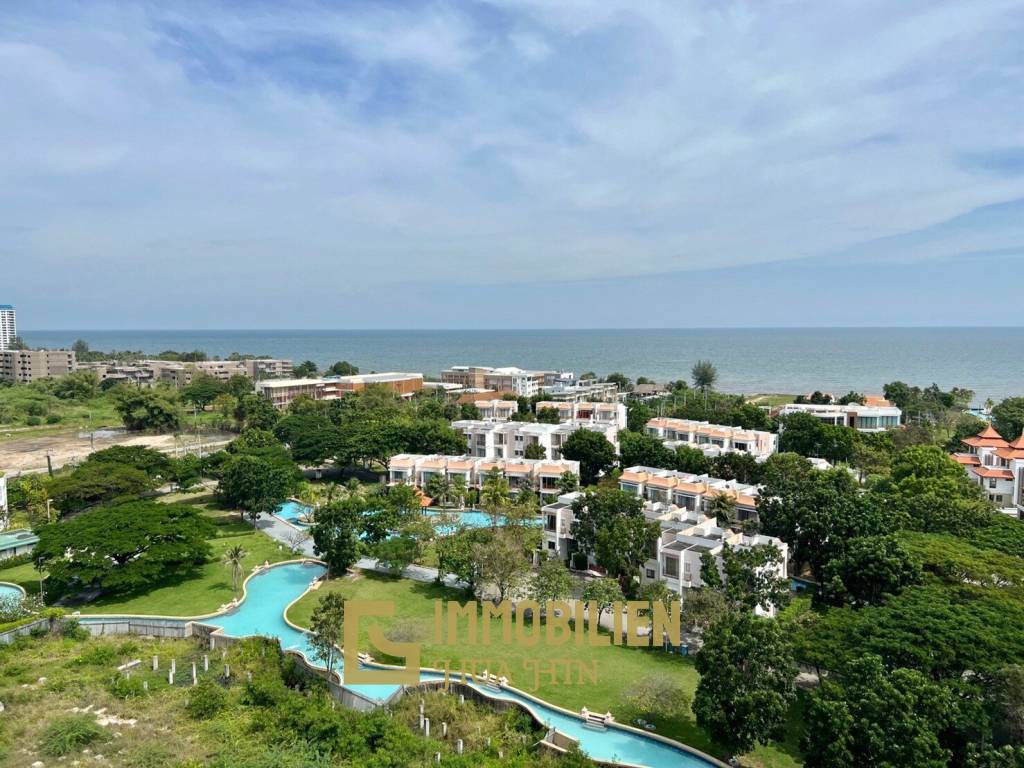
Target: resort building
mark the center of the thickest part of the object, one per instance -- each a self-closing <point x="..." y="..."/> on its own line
<point x="713" y="439"/>
<point x="675" y="558"/>
<point x="496" y="410"/>
<point x="997" y="465"/>
<point x="585" y="391"/>
<point x="28" y="365"/>
<point x="506" y="440"/>
<point x="539" y="475"/>
<point x="281" y="392"/>
<point x="17" y="542"/>
<point x="877" y="416"/>
<point x="693" y="493"/>
<point x="8" y="326"/>
<point x="605" y="414"/>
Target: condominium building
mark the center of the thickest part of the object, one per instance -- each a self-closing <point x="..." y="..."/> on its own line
<point x="675" y="558"/>
<point x="879" y="416"/>
<point x="584" y="391"/>
<point x="503" y="440"/>
<point x="713" y="439"/>
<point x="27" y="365"/>
<point x="540" y="475"/>
<point x="281" y="392"/>
<point x="139" y="375"/>
<point x="693" y="493"/>
<point x="181" y="374"/>
<point x="496" y="410"/>
<point x="8" y="325"/>
<point x="587" y="412"/>
<point x="997" y="465"/>
<point x="511" y="380"/>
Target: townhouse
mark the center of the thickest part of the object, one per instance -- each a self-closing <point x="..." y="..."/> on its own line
<point x="506" y="440"/>
<point x="540" y="475"/>
<point x="281" y="392"/>
<point x="496" y="410"/>
<point x="713" y="439"/>
<point x="509" y="379"/>
<point x="585" y="412"/>
<point x="686" y="491"/>
<point x="876" y="415"/>
<point x="997" y="465"/>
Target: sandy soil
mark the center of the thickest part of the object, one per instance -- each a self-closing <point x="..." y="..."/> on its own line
<point x="29" y="454"/>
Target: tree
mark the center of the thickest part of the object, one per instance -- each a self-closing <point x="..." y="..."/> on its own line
<point x="469" y="411"/>
<point x="723" y="509"/>
<point x="455" y="555"/>
<point x="238" y="385"/>
<point x="868" y="569"/>
<point x="327" y="629"/>
<point x="568" y="482"/>
<point x="501" y="561"/>
<point x="1008" y="417"/>
<point x="638" y="449"/>
<point x="692" y="460"/>
<point x="256" y="412"/>
<point x="202" y="390"/>
<point x="601" y="594"/>
<point x="343" y="368"/>
<point x="704" y="376"/>
<point x="804" y="434"/>
<point x="154" y="409"/>
<point x="735" y="465"/>
<point x="124" y="548"/>
<point x="551" y="583"/>
<point x="494" y="495"/>
<point x="657" y="696"/>
<point x="186" y="471"/>
<point x="255" y="484"/>
<point x="396" y="553"/>
<point x="869" y="717"/>
<point x="336" y="533"/>
<point x="438" y="487"/>
<point x="535" y="451"/>
<point x="703" y="607"/>
<point x="610" y="525"/>
<point x="547" y="415"/>
<point x="746" y="681"/>
<point x="79" y="385"/>
<point x="749" y="576"/>
<point x="96" y="482"/>
<point x="305" y="370"/>
<point x="592" y="450"/>
<point x="234" y="558"/>
<point x="620" y="380"/>
<point x="155" y="464"/>
<point x="312" y="437"/>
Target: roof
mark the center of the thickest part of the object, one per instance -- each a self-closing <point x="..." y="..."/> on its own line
<point x="987" y="438"/>
<point x="6" y="306"/>
<point x="1000" y="474"/>
<point x="967" y="458"/>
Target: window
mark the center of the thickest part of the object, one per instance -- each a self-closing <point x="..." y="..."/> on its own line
<point x="991" y="482"/>
<point x="649" y="572"/>
<point x="551" y="545"/>
<point x="552" y="523"/>
<point x="671" y="567"/>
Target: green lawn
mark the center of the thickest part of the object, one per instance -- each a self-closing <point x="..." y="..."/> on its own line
<point x="616" y="667"/>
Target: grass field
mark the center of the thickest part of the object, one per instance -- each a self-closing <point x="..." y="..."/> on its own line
<point x="616" y="667"/>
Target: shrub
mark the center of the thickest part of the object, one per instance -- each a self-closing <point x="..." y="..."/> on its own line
<point x="97" y="656"/>
<point x="205" y="700"/>
<point x="70" y="733"/>
<point x="579" y="561"/>
<point x="33" y="421"/>
<point x="53" y="418"/>
<point x="127" y="687"/>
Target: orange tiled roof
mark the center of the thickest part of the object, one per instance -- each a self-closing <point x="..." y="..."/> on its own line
<point x="1010" y="453"/>
<point x="662" y="482"/>
<point x="1001" y="474"/>
<point x="985" y="440"/>
<point x="633" y="477"/>
<point x="551" y="469"/>
<point x="966" y="458"/>
<point x="460" y="465"/>
<point x="517" y="469"/>
<point x="691" y="487"/>
<point x="402" y="463"/>
<point x="876" y="401"/>
<point x="433" y="464"/>
<point x="1018" y="443"/>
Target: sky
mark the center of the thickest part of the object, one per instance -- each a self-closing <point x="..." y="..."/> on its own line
<point x="581" y="163"/>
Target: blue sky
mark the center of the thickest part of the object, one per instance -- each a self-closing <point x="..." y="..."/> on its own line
<point x="586" y="163"/>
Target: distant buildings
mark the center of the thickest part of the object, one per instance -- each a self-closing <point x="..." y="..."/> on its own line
<point x="584" y="391"/>
<point x="998" y="467"/>
<point x="179" y="374"/>
<point x="540" y="475"/>
<point x="8" y="325"/>
<point x="496" y="410"/>
<point x="603" y="413"/>
<point x="281" y="392"/>
<point x="505" y="440"/>
<point x="511" y="380"/>
<point x="27" y="365"/>
<point x="713" y="439"/>
<point x="876" y="415"/>
<point x="666" y="488"/>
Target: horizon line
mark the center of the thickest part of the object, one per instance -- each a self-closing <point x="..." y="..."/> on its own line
<point x="531" y="329"/>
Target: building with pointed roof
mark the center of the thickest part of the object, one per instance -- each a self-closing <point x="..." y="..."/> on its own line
<point x="997" y="465"/>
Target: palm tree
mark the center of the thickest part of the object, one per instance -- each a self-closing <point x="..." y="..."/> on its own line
<point x="723" y="507"/>
<point x="232" y="558"/>
<point x="704" y="377"/>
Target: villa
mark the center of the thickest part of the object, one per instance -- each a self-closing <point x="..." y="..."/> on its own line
<point x="998" y="467"/>
<point x="675" y="558"/>
<point x="683" y="490"/>
<point x="498" y="440"/>
<point x="534" y="474"/>
<point x="876" y="415"/>
<point x="584" y="412"/>
<point x="281" y="392"/>
<point x="713" y="439"/>
<point x="497" y="410"/>
<point x="511" y="380"/>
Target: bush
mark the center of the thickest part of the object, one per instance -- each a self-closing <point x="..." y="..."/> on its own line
<point x="53" y="418"/>
<point x="127" y="687"/>
<point x="97" y="656"/>
<point x="205" y="700"/>
<point x="33" y="421"/>
<point x="579" y="561"/>
<point x="70" y="734"/>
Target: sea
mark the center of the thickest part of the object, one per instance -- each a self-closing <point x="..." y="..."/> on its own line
<point x="989" y="361"/>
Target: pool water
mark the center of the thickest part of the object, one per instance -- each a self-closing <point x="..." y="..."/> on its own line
<point x="269" y="593"/>
<point x="10" y="590"/>
<point x="292" y="511"/>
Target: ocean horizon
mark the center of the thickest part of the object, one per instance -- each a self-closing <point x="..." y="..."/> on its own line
<point x="988" y="360"/>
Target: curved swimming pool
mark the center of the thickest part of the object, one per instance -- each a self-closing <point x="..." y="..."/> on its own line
<point x="270" y="592"/>
<point x="10" y="590"/>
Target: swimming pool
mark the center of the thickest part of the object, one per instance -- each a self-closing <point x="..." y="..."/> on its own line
<point x="10" y="590"/>
<point x="269" y="593"/>
<point x="292" y="511"/>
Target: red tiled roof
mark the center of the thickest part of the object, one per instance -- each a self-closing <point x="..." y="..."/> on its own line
<point x="1010" y="453"/>
<point x="1001" y="474"/>
<point x="966" y="458"/>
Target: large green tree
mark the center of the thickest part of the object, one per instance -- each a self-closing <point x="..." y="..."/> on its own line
<point x="255" y="484"/>
<point x="327" y="629"/>
<point x="1008" y="417"/>
<point x="636" y="448"/>
<point x="202" y="390"/>
<point x="156" y="409"/>
<point x="336" y="533"/>
<point x="592" y="450"/>
<point x="804" y="434"/>
<point x="124" y="548"/>
<point x="610" y="525"/>
<point x="155" y="464"/>
<point x="746" y="681"/>
<point x="95" y="482"/>
<point x="868" y="569"/>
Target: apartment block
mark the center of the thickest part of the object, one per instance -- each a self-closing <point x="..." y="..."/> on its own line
<point x="505" y="440"/>
<point x="713" y="439"/>
<point x="675" y="558"/>
<point x="138" y="375"/>
<point x="281" y="392"/>
<point x="539" y="475"/>
<point x="8" y="325"/>
<point x="878" y="416"/>
<point x="27" y="365"/>
<point x="510" y="380"/>
<point x="683" y="490"/>
<point x="584" y="391"/>
<point x="997" y="465"/>
<point x="585" y="412"/>
<point x="496" y="410"/>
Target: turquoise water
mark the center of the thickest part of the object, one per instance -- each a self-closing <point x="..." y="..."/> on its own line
<point x="10" y="590"/>
<point x="470" y="518"/>
<point x="262" y="613"/>
<point x="291" y="511"/>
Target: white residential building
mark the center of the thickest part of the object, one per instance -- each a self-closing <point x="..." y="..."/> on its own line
<point x="687" y="491"/>
<point x="509" y="379"/>
<point x="675" y="558"/>
<point x="583" y="391"/>
<point x="587" y="412"/>
<point x="998" y="467"/>
<point x="496" y="410"/>
<point x="281" y="392"/>
<point x="877" y="416"/>
<point x="713" y="439"/>
<point x="506" y="440"/>
<point x="8" y="325"/>
<point x="534" y="474"/>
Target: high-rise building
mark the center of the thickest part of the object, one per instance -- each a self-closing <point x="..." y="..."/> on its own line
<point x="8" y="326"/>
